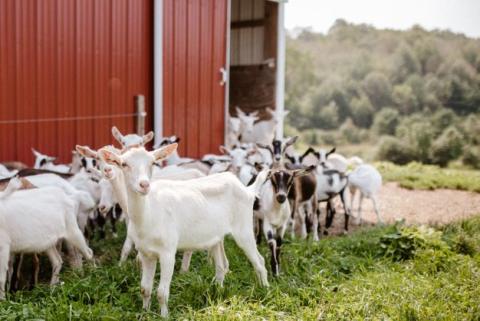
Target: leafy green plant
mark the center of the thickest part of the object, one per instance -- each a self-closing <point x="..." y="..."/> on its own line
<point x="404" y="242"/>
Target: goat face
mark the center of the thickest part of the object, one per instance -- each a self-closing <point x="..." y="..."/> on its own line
<point x="107" y="198"/>
<point x="322" y="156"/>
<point x="41" y="160"/>
<point x="168" y="140"/>
<point x="282" y="181"/>
<point x="247" y="120"/>
<point x="88" y="163"/>
<point x="137" y="165"/>
<point x="131" y="140"/>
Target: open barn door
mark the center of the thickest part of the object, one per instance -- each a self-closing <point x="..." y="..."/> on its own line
<point x="194" y="76"/>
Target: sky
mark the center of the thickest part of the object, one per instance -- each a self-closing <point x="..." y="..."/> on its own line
<point x="461" y="16"/>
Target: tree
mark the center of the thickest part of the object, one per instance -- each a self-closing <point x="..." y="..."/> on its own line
<point x="362" y="111"/>
<point x="404" y="98"/>
<point x="378" y="89"/>
<point x="386" y="121"/>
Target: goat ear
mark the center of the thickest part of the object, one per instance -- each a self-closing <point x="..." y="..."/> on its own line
<point x="37" y="154"/>
<point x="164" y="152"/>
<point x="86" y="151"/>
<point x="285" y="113"/>
<point x="303" y="171"/>
<point x="175" y="139"/>
<point x="331" y="151"/>
<point x="240" y="112"/>
<point x="51" y="159"/>
<point x="117" y="135"/>
<point x="290" y="142"/>
<point x="224" y="150"/>
<point x="254" y="114"/>
<point x="110" y="157"/>
<point x="270" y="111"/>
<point x="258" y="167"/>
<point x="148" y="137"/>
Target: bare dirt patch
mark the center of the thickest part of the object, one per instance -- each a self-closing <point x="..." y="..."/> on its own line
<point x="415" y="206"/>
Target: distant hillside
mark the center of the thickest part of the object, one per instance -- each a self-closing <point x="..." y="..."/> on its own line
<point x="360" y="77"/>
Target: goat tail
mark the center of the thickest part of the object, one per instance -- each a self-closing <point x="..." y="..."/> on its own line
<point x="256" y="186"/>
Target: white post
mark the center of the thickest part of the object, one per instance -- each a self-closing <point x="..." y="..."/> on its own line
<point x="141" y="114"/>
<point x="158" y="69"/>
<point x="280" y="90"/>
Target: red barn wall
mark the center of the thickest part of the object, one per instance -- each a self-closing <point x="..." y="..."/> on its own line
<point x="66" y="58"/>
<point x="194" y="50"/>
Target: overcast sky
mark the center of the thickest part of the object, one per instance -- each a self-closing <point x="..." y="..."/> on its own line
<point x="457" y="15"/>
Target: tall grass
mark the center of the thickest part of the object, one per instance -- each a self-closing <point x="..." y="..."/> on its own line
<point x="338" y="278"/>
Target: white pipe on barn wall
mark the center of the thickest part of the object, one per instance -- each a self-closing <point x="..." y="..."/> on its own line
<point x="227" y="67"/>
<point x="280" y="90"/>
<point x="158" y="69"/>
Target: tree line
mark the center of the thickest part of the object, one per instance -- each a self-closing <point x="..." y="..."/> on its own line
<point x="415" y="94"/>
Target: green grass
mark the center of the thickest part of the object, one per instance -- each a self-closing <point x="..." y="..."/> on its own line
<point x="430" y="177"/>
<point x="338" y="278"/>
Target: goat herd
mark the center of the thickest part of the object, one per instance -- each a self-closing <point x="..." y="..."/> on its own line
<point x="258" y="186"/>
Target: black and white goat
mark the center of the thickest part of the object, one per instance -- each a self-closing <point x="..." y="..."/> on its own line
<point x="275" y="211"/>
<point x="302" y="196"/>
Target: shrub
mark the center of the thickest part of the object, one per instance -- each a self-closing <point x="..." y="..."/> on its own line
<point x="351" y="133"/>
<point x="471" y="157"/>
<point x="362" y="111"/>
<point x="443" y="119"/>
<point x="386" y="121"/>
<point x="447" y="147"/>
<point x="405" y="242"/>
<point x="394" y="150"/>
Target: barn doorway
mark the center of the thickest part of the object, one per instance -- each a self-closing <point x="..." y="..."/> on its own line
<point x="253" y="56"/>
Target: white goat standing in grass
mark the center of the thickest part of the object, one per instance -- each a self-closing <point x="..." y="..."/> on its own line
<point x="34" y="221"/>
<point x="113" y="190"/>
<point x="169" y="215"/>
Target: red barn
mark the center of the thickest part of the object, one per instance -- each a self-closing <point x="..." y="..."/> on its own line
<point x="70" y="69"/>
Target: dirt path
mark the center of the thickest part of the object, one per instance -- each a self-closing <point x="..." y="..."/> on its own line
<point x="415" y="206"/>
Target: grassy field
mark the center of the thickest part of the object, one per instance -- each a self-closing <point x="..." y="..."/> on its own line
<point x="419" y="176"/>
<point x="389" y="273"/>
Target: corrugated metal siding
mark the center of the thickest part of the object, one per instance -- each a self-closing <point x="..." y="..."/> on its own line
<point x="247" y="44"/>
<point x="66" y="58"/>
<point x="194" y="35"/>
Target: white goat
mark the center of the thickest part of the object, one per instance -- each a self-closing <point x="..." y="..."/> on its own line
<point x="113" y="191"/>
<point x="169" y="215"/>
<point x="368" y="181"/>
<point x="85" y="202"/>
<point x="263" y="131"/>
<point x="46" y="162"/>
<point x="33" y="221"/>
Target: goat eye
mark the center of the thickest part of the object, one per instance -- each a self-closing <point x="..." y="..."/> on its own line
<point x="124" y="165"/>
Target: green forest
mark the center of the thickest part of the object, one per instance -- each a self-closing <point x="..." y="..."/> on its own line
<point x="402" y="96"/>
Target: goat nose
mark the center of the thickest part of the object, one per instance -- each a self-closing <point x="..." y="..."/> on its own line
<point x="144" y="184"/>
<point x="102" y="208"/>
<point x="281" y="198"/>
